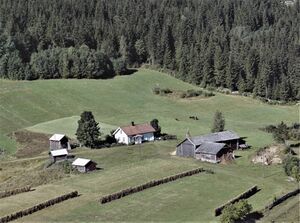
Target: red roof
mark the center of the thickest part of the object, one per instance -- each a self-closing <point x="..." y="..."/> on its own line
<point x="137" y="129"/>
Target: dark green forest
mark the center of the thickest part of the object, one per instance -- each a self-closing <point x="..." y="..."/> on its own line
<point x="245" y="45"/>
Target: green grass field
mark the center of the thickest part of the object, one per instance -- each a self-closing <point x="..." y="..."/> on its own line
<point x="189" y="199"/>
<point x="129" y="98"/>
<point x="54" y="106"/>
<point x="66" y="126"/>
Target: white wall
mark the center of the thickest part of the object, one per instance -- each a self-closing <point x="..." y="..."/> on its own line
<point x="121" y="137"/>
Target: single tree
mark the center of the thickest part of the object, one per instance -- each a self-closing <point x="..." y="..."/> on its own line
<point x="234" y="212"/>
<point x="219" y="122"/>
<point x="155" y="124"/>
<point x="88" y="131"/>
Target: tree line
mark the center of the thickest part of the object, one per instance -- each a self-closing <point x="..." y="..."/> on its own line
<point x="249" y="46"/>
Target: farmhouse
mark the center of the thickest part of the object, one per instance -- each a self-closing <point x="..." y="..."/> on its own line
<point x="134" y="133"/>
<point x="210" y="147"/>
<point x="84" y="165"/>
<point x="59" y="141"/>
<point x="59" y="155"/>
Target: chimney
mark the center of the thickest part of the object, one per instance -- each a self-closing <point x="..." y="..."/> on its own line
<point x="132" y="123"/>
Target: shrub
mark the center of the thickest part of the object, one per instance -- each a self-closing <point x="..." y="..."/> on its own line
<point x="291" y="167"/>
<point x="236" y="211"/>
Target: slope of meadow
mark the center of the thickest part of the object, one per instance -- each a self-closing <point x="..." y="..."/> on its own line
<point x="54" y="105"/>
<point x="124" y="99"/>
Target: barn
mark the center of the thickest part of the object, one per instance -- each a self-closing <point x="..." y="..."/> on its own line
<point x="59" y="141"/>
<point x="84" y="165"/>
<point x="59" y="155"/>
<point x="210" y="147"/>
<point x="134" y="133"/>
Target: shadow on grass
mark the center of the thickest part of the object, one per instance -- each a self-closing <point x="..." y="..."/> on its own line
<point x="252" y="217"/>
<point x="129" y="71"/>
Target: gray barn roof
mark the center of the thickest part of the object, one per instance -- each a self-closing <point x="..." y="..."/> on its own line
<point x="215" y="137"/>
<point x="210" y="148"/>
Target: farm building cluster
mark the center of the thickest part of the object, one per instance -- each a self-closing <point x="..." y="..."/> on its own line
<point x="211" y="147"/>
<point x="59" y="146"/>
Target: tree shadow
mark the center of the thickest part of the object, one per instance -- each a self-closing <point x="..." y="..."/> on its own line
<point x="252" y="217"/>
<point x="129" y="71"/>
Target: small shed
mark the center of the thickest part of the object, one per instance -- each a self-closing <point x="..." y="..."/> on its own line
<point x="59" y="155"/>
<point x="59" y="141"/>
<point x="84" y="165"/>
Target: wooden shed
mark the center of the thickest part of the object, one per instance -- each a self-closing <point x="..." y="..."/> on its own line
<point x="59" y="141"/>
<point x="84" y="165"/>
<point x="211" y="152"/>
<point x="59" y="155"/>
<point x="186" y="148"/>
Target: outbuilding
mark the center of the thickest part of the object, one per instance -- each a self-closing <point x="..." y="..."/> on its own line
<point x="59" y="155"/>
<point x="211" y="152"/>
<point x="59" y="141"/>
<point x="210" y="147"/>
<point x="84" y="165"/>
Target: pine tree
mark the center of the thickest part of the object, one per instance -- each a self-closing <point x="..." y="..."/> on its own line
<point x="155" y="124"/>
<point x="88" y="131"/>
<point x="219" y="122"/>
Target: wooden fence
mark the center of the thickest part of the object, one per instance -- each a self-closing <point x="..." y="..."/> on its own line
<point x="282" y="198"/>
<point x="244" y="195"/>
<point x="153" y="183"/>
<point x="38" y="207"/>
<point x="14" y="191"/>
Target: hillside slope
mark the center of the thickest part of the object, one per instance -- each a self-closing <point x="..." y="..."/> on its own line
<point x="124" y="99"/>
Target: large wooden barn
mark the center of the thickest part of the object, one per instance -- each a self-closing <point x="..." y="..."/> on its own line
<point x="59" y="141"/>
<point x="210" y="147"/>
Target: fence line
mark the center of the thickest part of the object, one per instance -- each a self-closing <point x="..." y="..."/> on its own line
<point x="153" y="183"/>
<point x="246" y="194"/>
<point x="41" y="206"/>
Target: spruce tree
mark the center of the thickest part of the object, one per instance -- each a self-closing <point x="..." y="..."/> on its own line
<point x="155" y="124"/>
<point x="219" y="122"/>
<point x="88" y="131"/>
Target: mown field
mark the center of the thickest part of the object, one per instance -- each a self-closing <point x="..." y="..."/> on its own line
<point x="129" y="98"/>
<point x="189" y="199"/>
<point x="54" y="105"/>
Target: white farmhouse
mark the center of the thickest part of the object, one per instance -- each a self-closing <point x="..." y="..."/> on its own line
<point x="134" y="133"/>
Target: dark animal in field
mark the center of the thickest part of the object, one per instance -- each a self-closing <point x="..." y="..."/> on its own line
<point x="194" y="117"/>
<point x="176" y="119"/>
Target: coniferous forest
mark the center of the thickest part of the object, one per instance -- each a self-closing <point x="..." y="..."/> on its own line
<point x="244" y="45"/>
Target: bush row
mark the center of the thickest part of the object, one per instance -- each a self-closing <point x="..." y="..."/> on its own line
<point x="243" y="195"/>
<point x="14" y="191"/>
<point x="38" y="207"/>
<point x="153" y="183"/>
<point x="279" y="200"/>
<point x="195" y="93"/>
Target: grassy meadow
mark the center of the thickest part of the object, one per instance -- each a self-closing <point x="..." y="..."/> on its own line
<point x="54" y="105"/>
<point x="189" y="199"/>
<point x="49" y="106"/>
